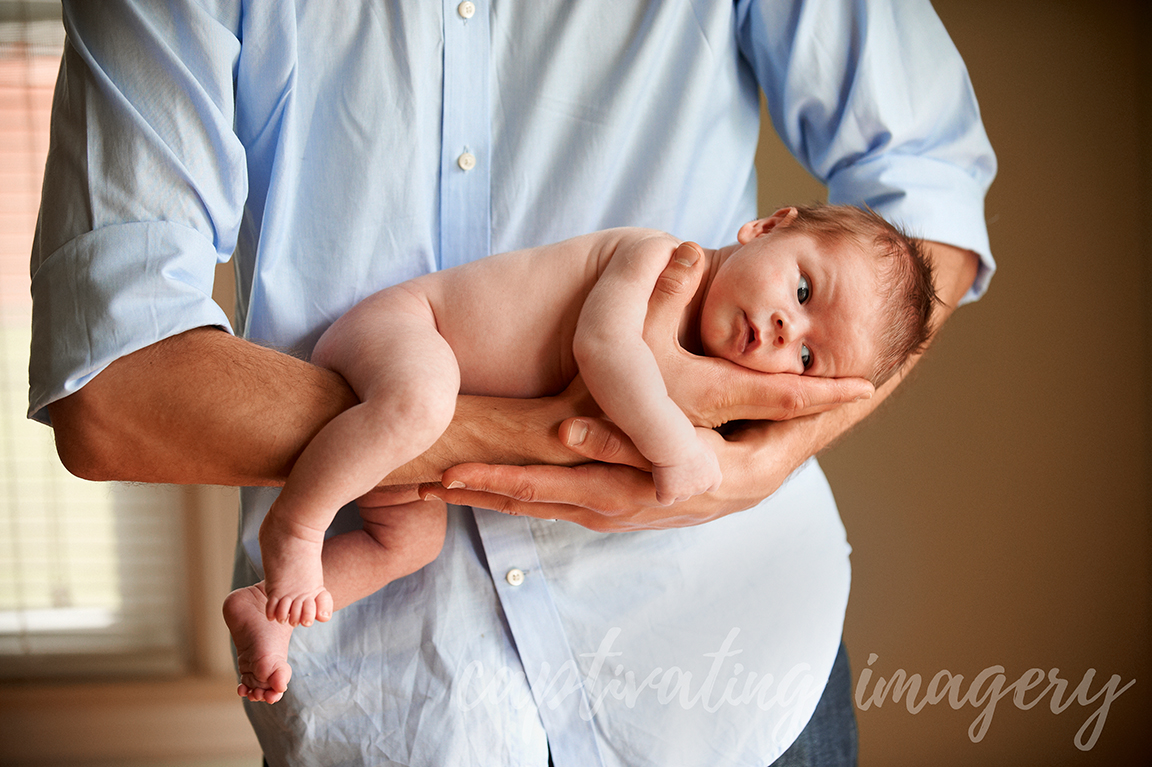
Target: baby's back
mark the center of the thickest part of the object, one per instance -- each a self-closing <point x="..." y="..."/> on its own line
<point x="511" y="318"/>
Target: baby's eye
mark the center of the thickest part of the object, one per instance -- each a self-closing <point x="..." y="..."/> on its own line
<point x="805" y="357"/>
<point x="803" y="290"/>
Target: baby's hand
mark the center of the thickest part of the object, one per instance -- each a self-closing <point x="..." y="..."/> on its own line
<point x="698" y="472"/>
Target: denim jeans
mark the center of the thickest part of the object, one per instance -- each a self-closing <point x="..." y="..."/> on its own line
<point x="829" y="739"/>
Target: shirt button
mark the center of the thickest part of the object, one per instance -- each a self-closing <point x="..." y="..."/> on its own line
<point x="466" y="9"/>
<point x="515" y="576"/>
<point x="466" y="161"/>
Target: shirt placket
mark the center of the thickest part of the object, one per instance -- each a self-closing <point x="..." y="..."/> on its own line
<point x="545" y="652"/>
<point x="465" y="235"/>
<point x="465" y="150"/>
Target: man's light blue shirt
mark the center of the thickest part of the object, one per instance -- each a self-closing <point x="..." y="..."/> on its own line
<point x="337" y="148"/>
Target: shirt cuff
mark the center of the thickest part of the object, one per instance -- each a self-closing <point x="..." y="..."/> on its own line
<point x="111" y="292"/>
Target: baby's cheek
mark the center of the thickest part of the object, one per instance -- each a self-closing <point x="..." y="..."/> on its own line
<point x="772" y="360"/>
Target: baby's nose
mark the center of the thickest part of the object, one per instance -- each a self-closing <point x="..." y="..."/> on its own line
<point x="782" y="329"/>
<point x="787" y="328"/>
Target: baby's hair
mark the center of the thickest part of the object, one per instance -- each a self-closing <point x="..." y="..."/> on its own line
<point x="903" y="271"/>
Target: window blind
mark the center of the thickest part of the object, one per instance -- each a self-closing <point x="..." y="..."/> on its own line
<point x="91" y="574"/>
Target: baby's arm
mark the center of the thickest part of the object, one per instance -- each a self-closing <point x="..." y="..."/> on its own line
<point x="622" y="375"/>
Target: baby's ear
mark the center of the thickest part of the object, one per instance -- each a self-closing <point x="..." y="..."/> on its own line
<point x="762" y="226"/>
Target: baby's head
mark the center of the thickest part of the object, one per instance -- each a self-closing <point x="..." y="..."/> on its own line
<point x="827" y="290"/>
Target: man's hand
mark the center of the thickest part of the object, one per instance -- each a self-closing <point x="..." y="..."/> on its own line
<point x="616" y="493"/>
<point x="713" y="391"/>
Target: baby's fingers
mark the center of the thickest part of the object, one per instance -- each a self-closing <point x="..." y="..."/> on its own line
<point x="680" y="483"/>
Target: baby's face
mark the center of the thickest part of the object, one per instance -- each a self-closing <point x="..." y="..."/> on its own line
<point x="784" y="302"/>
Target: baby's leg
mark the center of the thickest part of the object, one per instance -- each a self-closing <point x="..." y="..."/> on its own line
<point x="396" y="541"/>
<point x="406" y="377"/>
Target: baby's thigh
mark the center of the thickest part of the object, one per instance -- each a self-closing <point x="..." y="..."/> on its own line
<point x="389" y="343"/>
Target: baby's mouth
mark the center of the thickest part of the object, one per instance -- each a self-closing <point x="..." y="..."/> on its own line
<point x="749" y="336"/>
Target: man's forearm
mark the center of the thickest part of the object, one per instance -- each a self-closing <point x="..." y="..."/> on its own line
<point x="200" y="407"/>
<point x="206" y="407"/>
<point x="609" y="495"/>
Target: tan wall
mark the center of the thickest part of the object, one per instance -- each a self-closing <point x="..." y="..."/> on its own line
<point x="999" y="506"/>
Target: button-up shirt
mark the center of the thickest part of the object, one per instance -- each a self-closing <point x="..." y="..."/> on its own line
<point x="334" y="148"/>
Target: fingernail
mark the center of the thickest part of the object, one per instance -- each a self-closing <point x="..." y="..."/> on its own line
<point x="686" y="260"/>
<point x="577" y="433"/>
<point x="455" y="485"/>
<point x="432" y="497"/>
<point x="865" y="395"/>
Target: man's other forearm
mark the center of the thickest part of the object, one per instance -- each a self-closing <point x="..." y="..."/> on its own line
<point x="206" y="407"/>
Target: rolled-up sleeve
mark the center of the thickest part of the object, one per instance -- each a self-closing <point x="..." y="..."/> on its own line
<point x="144" y="188"/>
<point x="876" y="102"/>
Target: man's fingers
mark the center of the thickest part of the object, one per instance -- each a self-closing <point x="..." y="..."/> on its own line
<point x="815" y="395"/>
<point x="529" y="484"/>
<point x="388" y="495"/>
<point x="749" y="395"/>
<point x="590" y="494"/>
<point x="482" y="499"/>
<point x="548" y="492"/>
<point x="675" y="287"/>
<point x="600" y="440"/>
<point x="843" y="390"/>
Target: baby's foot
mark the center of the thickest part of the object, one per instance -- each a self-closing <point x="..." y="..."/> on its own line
<point x="294" y="575"/>
<point x="261" y="645"/>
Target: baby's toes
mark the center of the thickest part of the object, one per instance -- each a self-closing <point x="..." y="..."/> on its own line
<point x="307" y="611"/>
<point x="277" y="683"/>
<point x="271" y="607"/>
<point x="284" y="609"/>
<point x="251" y="688"/>
<point x="324" y="606"/>
<point x="295" y="609"/>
